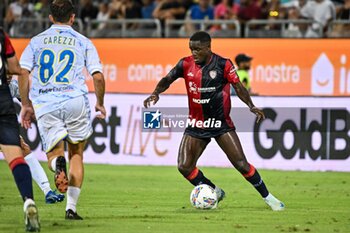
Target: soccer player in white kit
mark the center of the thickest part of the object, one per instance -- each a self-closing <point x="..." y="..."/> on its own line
<point x="58" y="96"/>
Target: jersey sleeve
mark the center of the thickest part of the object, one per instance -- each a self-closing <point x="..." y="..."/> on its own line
<point x="93" y="63"/>
<point x="9" y="50"/>
<point x="27" y="58"/>
<point x="177" y="71"/>
<point x="230" y="72"/>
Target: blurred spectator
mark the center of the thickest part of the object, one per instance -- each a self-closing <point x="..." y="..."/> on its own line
<point x="42" y="9"/>
<point x="103" y="15"/>
<point x="186" y="4"/>
<point x="148" y="8"/>
<point x="225" y="10"/>
<point x="273" y="11"/>
<point x="125" y="9"/>
<point x="249" y="9"/>
<point x="321" y="11"/>
<point x="344" y="12"/>
<point x="17" y="10"/>
<point x="301" y="3"/>
<point x="202" y="10"/>
<point x="116" y="9"/>
<point x="293" y="30"/>
<point x="342" y="29"/>
<point x="88" y="11"/>
<point x="131" y="9"/>
<point x="168" y="9"/>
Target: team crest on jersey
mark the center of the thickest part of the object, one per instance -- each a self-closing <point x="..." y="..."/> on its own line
<point x="192" y="87"/>
<point x="212" y="74"/>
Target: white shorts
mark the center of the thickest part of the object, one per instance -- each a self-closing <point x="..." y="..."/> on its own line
<point x="71" y="122"/>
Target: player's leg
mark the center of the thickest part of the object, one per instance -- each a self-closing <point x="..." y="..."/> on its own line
<point x="190" y="150"/>
<point x="10" y="146"/>
<point x="39" y="175"/>
<point x="52" y="132"/>
<point x="231" y="145"/>
<point x="77" y="112"/>
<point x="57" y="164"/>
<point x="76" y="177"/>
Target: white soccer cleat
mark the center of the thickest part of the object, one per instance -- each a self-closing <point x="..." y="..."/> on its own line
<point x="274" y="203"/>
<point x="220" y="193"/>
<point x="31" y="216"/>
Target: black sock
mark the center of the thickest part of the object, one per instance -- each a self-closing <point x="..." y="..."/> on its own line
<point x="197" y="177"/>
<point x="23" y="177"/>
<point x="254" y="178"/>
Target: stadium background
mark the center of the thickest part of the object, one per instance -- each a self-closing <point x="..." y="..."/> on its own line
<point x="287" y="78"/>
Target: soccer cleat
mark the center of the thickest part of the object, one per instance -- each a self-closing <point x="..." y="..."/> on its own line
<point x="61" y="179"/>
<point x="274" y="203"/>
<point x="220" y="193"/>
<point x="71" y="215"/>
<point x="53" y="197"/>
<point x="32" y="218"/>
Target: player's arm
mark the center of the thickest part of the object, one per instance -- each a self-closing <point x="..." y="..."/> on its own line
<point x="94" y="67"/>
<point x="27" y="112"/>
<point x="13" y="66"/>
<point x="243" y="94"/>
<point x="164" y="84"/>
<point x="27" y="63"/>
<point x="99" y="85"/>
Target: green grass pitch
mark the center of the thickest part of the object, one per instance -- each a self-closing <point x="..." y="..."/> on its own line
<point x="156" y="199"/>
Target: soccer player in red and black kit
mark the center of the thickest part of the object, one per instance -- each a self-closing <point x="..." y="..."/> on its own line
<point x="212" y="75"/>
<point x="9" y="134"/>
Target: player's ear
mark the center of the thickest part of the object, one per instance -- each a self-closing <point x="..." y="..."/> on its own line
<point x="72" y="18"/>
<point x="51" y="19"/>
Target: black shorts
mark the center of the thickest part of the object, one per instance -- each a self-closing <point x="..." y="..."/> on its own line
<point x="9" y="130"/>
<point x="206" y="133"/>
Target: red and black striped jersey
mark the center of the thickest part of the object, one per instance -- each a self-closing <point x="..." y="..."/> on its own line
<point x="208" y="88"/>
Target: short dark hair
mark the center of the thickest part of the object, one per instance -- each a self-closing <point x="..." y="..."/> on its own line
<point x="61" y="10"/>
<point x="201" y="36"/>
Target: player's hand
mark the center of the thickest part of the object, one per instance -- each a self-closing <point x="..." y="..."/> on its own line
<point x="8" y="78"/>
<point x="152" y="98"/>
<point x="27" y="115"/>
<point x="259" y="114"/>
<point x="102" y="110"/>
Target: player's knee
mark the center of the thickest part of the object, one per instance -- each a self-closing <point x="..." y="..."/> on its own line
<point x="242" y="166"/>
<point x="184" y="169"/>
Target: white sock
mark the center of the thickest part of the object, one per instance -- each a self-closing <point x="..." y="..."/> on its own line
<point x="27" y="203"/>
<point x="269" y="197"/>
<point x="72" y="198"/>
<point x="53" y="164"/>
<point x="38" y="173"/>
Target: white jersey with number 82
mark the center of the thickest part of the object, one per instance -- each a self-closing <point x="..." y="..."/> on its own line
<point x="56" y="58"/>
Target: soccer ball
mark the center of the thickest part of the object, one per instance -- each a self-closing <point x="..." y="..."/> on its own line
<point x="204" y="197"/>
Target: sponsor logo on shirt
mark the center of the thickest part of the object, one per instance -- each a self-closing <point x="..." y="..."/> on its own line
<point x="200" y="101"/>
